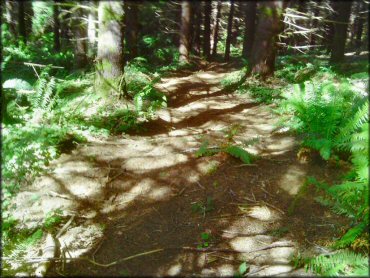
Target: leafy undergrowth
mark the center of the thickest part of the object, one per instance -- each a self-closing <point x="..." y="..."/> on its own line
<point x="49" y="115"/>
<point x="227" y="146"/>
<point x="327" y="108"/>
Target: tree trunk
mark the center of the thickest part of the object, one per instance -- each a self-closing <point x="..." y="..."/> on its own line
<point x="197" y="25"/>
<point x="28" y="17"/>
<point x="80" y="32"/>
<point x="359" y="27"/>
<point x="264" y="47"/>
<point x="65" y="28"/>
<point x="185" y="38"/>
<point x="110" y="59"/>
<point x="314" y="24"/>
<point x="250" y="28"/>
<point x="328" y="39"/>
<point x="343" y="13"/>
<point x="56" y="27"/>
<point x="11" y="16"/>
<point x="215" y="29"/>
<point x="207" y="29"/>
<point x="92" y="30"/>
<point x="229" y="30"/>
<point x="131" y="30"/>
<point x="21" y="22"/>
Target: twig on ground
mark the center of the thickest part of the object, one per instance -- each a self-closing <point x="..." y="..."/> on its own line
<point x="181" y="191"/>
<point x="254" y="198"/>
<point x="264" y="190"/>
<point x="97" y="249"/>
<point x="201" y="186"/>
<point x="55" y="194"/>
<point x="245" y="165"/>
<point x="64" y="228"/>
<point x="269" y="205"/>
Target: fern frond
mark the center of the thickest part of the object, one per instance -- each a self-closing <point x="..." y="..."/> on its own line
<point x="341" y="263"/>
<point x="48" y="94"/>
<point x="240" y="153"/>
<point x="361" y="117"/>
<point x="350" y="236"/>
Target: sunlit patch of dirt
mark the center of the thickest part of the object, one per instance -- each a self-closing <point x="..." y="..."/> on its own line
<point x="147" y="191"/>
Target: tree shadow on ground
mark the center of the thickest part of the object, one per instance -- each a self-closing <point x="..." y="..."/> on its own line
<point x="150" y="193"/>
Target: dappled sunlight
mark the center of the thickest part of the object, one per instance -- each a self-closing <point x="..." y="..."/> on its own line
<point x="210" y="76"/>
<point x="263" y="213"/>
<point x="275" y="270"/>
<point x="77" y="241"/>
<point x="293" y="180"/>
<point x="174" y="270"/>
<point x="154" y="162"/>
<point x="153" y="187"/>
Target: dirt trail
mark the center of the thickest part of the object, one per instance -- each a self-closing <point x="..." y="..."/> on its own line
<point x="136" y="193"/>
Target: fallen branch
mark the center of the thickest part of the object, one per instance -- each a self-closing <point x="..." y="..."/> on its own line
<point x="62" y="230"/>
<point x="42" y="66"/>
<point x="41" y="259"/>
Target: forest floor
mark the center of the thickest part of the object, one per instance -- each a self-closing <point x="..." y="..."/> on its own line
<point x="148" y="191"/>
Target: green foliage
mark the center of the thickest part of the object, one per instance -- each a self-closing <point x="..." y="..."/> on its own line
<point x="53" y="218"/>
<point x="227" y="147"/>
<point x="243" y="268"/>
<point x="318" y="112"/>
<point x="206" y="239"/>
<point x="342" y="263"/>
<point x="203" y="207"/>
<point x="117" y="121"/>
<point x="280" y="231"/>
<point x="233" y="78"/>
<point x="43" y="16"/>
<point x="264" y="94"/>
<point x="149" y="100"/>
<point x="18" y="247"/>
<point x="240" y="153"/>
<point x="205" y="151"/>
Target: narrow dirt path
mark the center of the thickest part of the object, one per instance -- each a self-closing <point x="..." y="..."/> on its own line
<point x="137" y="193"/>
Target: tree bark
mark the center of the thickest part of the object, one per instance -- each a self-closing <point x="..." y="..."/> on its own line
<point x="215" y="28"/>
<point x="264" y="46"/>
<point x="92" y="29"/>
<point x="359" y="27"/>
<point x="207" y="30"/>
<point x="185" y="38"/>
<point x="343" y="12"/>
<point x="131" y="30"/>
<point x="328" y="39"/>
<point x="11" y="16"/>
<point x="56" y="27"/>
<point x="110" y="59"/>
<point x="21" y="21"/>
<point x="80" y="33"/>
<point x="197" y="27"/>
<point x="65" y="28"/>
<point x="314" y="24"/>
<point x="250" y="28"/>
<point x="229" y="30"/>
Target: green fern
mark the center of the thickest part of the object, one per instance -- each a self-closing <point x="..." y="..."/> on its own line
<point x="205" y="151"/>
<point x="240" y="153"/>
<point x="46" y="96"/>
<point x="319" y="111"/>
<point x="351" y="235"/>
<point x="339" y="264"/>
<point x="359" y="119"/>
<point x="232" y="150"/>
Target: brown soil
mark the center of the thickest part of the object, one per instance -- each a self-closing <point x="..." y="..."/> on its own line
<point x="143" y="189"/>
